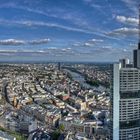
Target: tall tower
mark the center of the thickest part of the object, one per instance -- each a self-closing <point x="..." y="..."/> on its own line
<point x="125" y="99"/>
<point x="136" y="53"/>
<point x="125" y="103"/>
<point x="59" y="66"/>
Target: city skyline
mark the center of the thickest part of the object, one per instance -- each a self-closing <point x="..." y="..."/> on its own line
<point x="82" y="30"/>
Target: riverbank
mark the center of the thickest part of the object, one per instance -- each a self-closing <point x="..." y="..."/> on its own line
<point x="77" y="76"/>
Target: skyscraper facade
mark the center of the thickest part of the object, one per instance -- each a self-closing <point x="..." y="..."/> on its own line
<point x="125" y="100"/>
<point x="136" y="58"/>
<point x="125" y="103"/>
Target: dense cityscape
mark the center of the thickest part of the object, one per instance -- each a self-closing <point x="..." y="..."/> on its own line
<point x="52" y="101"/>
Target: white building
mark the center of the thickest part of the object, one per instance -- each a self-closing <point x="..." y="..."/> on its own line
<point x="125" y="99"/>
<point x="125" y="103"/>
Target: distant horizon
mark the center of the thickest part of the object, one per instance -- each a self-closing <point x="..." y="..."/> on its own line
<point x="45" y="62"/>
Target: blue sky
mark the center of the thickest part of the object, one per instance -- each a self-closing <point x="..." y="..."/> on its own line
<point x="68" y="30"/>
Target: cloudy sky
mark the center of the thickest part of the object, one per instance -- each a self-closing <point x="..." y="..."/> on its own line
<point x="68" y="30"/>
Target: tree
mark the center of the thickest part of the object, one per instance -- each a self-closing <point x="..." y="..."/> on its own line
<point x="55" y="135"/>
<point x="61" y="128"/>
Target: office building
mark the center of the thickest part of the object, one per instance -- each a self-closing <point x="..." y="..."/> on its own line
<point x="124" y="62"/>
<point x="136" y="53"/>
<point x="59" y="66"/>
<point x="125" y="103"/>
<point x="136" y="57"/>
<point x="125" y="100"/>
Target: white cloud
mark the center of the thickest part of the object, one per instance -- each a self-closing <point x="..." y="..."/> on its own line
<point x="60" y="13"/>
<point x="54" y="25"/>
<point x="124" y="31"/>
<point x="40" y="41"/>
<point x="88" y="43"/>
<point x="16" y="42"/>
<point x="92" y="42"/>
<point x="127" y="20"/>
<point x="51" y="25"/>
<point x="12" y="42"/>
<point x="50" y="51"/>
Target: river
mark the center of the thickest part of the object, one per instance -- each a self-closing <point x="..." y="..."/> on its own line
<point x="80" y="78"/>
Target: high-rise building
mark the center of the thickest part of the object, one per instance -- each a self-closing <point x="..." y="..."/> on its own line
<point x="124" y="62"/>
<point x="136" y="53"/>
<point x="59" y="66"/>
<point x="125" y="100"/>
<point x="125" y="103"/>
<point x="136" y="57"/>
